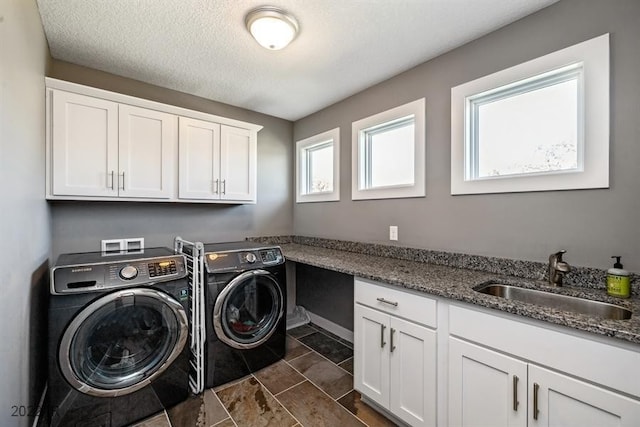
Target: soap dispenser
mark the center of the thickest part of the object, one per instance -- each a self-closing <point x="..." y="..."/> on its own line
<point x="618" y="280"/>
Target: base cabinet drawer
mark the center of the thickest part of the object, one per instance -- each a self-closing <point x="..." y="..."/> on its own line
<point x="405" y="304"/>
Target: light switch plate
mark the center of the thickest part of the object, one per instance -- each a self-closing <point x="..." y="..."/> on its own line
<point x="393" y="232"/>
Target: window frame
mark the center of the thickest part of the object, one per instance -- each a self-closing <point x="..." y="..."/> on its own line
<point x="359" y="157"/>
<point x="302" y="179"/>
<point x="591" y="59"/>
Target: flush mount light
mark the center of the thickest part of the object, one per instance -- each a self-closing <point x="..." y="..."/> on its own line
<point x="273" y="28"/>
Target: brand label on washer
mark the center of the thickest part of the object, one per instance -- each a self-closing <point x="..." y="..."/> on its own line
<point x="184" y="294"/>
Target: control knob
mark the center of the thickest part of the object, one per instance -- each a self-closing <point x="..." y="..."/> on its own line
<point x="250" y="258"/>
<point x="129" y="272"/>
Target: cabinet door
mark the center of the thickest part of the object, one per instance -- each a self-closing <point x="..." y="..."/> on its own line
<point x="565" y="401"/>
<point x="199" y="165"/>
<point x="412" y="350"/>
<point x="486" y="388"/>
<point x="84" y="145"/>
<point x="371" y="354"/>
<point x="238" y="153"/>
<point x="146" y="153"/>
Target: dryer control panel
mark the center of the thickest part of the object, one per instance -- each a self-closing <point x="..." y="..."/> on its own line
<point x="243" y="259"/>
<point x="95" y="277"/>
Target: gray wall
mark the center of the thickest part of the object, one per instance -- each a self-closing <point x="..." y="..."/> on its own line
<point x="591" y="224"/>
<point x="79" y="226"/>
<point x="24" y="214"/>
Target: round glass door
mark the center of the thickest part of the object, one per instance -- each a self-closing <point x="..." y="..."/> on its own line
<point x="248" y="309"/>
<point x="121" y="342"/>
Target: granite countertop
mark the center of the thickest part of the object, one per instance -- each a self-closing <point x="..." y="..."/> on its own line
<point x="457" y="283"/>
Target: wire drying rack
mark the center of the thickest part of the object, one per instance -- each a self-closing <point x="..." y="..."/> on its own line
<point x="194" y="253"/>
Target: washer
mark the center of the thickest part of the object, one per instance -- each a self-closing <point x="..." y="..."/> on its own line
<point x="118" y="328"/>
<point x="245" y="309"/>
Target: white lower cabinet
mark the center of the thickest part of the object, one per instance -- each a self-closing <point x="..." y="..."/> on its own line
<point x="488" y="387"/>
<point x="429" y="361"/>
<point x="559" y="400"/>
<point x="395" y="358"/>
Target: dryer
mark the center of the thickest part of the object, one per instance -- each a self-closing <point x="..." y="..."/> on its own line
<point x="245" y="322"/>
<point x="118" y="328"/>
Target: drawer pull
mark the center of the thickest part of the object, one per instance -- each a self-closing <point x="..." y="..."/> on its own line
<point x="395" y="304"/>
<point x="392" y="347"/>
<point x="382" y="343"/>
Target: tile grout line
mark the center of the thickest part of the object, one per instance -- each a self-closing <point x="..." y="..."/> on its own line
<point x="223" y="407"/>
<point x="335" y="400"/>
<point x="327" y="394"/>
<point x="326" y="358"/>
<point x="277" y="400"/>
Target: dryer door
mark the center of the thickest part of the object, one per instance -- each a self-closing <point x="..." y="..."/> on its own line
<point x="122" y="341"/>
<point x="248" y="309"/>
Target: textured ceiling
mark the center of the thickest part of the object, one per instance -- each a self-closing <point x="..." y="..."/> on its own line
<point x="201" y="47"/>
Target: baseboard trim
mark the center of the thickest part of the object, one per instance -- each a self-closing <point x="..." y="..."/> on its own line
<point x="334" y="328"/>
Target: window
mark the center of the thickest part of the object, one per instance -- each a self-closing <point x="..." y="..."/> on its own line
<point x="318" y="167"/>
<point x="388" y="153"/>
<point x="541" y="125"/>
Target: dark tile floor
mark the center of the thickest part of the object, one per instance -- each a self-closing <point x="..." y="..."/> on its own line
<point x="312" y="386"/>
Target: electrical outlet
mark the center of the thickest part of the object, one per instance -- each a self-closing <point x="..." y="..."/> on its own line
<point x="393" y="232"/>
<point x="112" y="246"/>
<point x="116" y="246"/>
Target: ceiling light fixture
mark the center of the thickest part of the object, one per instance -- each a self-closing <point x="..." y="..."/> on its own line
<point x="272" y="28"/>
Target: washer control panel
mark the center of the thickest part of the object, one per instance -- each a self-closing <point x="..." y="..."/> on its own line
<point x="113" y="275"/>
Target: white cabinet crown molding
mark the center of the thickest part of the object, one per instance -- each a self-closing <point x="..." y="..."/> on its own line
<point x="52" y="83"/>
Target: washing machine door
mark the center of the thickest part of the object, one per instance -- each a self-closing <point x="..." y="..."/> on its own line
<point x="247" y="310"/>
<point x="122" y="341"/>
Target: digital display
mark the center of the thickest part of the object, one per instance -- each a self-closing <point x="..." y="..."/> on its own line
<point x="162" y="268"/>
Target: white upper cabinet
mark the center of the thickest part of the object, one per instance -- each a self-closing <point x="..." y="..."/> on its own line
<point x="106" y="146"/>
<point x="217" y="162"/>
<point x="238" y="164"/>
<point x="84" y="154"/>
<point x="147" y="141"/>
<point x="104" y="149"/>
<point x="199" y="169"/>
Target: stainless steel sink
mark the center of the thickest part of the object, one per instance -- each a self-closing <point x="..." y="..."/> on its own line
<point x="556" y="301"/>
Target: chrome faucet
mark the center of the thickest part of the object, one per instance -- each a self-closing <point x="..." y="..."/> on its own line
<point x="557" y="268"/>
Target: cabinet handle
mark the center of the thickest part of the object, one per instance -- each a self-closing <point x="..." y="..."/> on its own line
<point x="382" y="343"/>
<point x="111" y="186"/>
<point x="122" y="181"/>
<point x="515" y="393"/>
<point x="536" y="387"/>
<point x="392" y="347"/>
<point x="224" y="186"/>
<point x="395" y="304"/>
<point x="216" y="186"/>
